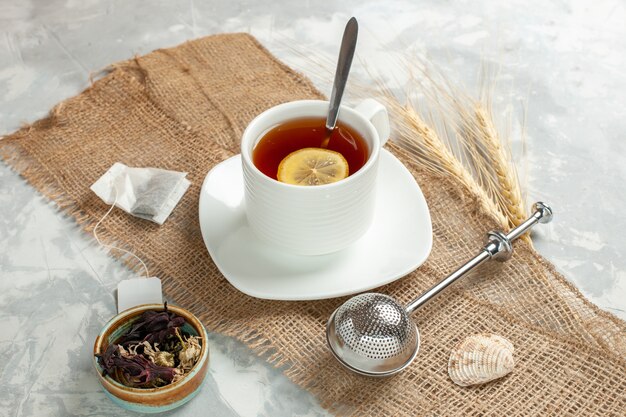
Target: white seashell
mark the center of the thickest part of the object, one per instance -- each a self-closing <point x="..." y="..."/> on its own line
<point x="480" y="358"/>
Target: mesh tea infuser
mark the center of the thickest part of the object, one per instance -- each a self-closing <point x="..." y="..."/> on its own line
<point x="372" y="334"/>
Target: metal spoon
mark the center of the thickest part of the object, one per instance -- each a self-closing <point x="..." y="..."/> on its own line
<point x="372" y="334"/>
<point x="346" y="53"/>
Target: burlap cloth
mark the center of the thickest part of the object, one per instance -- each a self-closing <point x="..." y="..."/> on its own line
<point x="185" y="109"/>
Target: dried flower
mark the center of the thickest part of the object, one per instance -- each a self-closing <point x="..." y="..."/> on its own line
<point x="135" y="370"/>
<point x="153" y="327"/>
<point x="164" y="359"/>
<point x="123" y="352"/>
<point x="190" y="352"/>
<point x="158" y="357"/>
<point x="106" y="359"/>
<point x="140" y="372"/>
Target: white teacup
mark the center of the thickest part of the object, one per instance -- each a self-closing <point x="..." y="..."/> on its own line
<point x="314" y="220"/>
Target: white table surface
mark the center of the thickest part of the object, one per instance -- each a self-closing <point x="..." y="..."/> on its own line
<point x="566" y="60"/>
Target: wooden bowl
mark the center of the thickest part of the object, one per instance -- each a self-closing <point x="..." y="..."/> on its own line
<point x="152" y="400"/>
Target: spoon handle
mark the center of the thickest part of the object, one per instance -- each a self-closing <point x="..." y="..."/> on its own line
<point x="346" y="52"/>
<point x="498" y="247"/>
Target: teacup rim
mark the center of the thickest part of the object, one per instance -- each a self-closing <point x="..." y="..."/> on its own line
<point x="246" y="151"/>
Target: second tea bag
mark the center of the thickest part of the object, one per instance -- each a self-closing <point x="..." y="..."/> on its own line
<point x="148" y="193"/>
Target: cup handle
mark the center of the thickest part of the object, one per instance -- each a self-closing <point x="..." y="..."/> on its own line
<point x="376" y="113"/>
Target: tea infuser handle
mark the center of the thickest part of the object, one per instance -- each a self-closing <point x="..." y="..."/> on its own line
<point x="376" y="113"/>
<point x="499" y="247"/>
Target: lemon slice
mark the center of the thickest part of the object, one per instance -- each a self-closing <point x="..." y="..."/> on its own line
<point x="312" y="166"/>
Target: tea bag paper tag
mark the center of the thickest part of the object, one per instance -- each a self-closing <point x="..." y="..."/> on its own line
<point x="136" y="291"/>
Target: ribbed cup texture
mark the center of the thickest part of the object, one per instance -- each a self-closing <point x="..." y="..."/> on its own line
<point x="310" y="220"/>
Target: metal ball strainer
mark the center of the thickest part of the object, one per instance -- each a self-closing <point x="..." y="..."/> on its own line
<point x="373" y="335"/>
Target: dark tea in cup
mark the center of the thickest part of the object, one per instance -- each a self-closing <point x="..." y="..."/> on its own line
<point x="308" y="133"/>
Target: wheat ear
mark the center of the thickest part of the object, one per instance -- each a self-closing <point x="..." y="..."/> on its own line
<point x="425" y="147"/>
<point x="509" y="195"/>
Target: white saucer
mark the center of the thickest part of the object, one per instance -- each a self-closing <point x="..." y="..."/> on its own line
<point x="399" y="240"/>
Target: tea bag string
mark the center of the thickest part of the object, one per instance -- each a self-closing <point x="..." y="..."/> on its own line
<point x="95" y="234"/>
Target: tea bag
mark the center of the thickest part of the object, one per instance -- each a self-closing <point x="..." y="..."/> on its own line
<point x="148" y="193"/>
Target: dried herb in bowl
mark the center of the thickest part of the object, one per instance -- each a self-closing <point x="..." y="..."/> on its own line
<point x="155" y="351"/>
